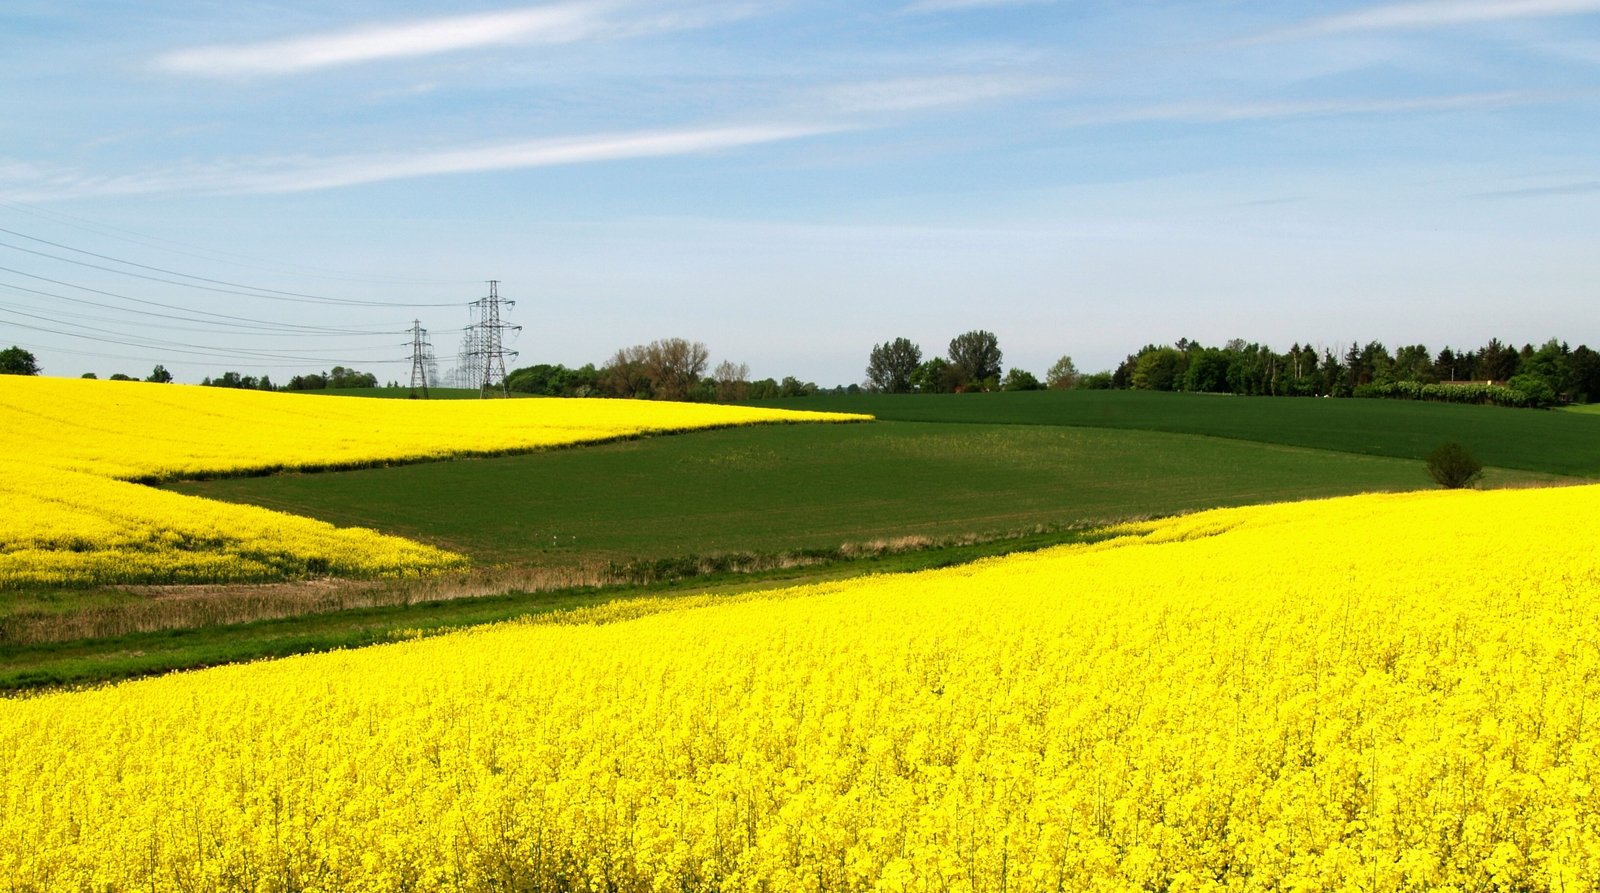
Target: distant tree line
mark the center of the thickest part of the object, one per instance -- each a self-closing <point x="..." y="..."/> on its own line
<point x="243" y="382"/>
<point x="676" y="369"/>
<point x="1494" y="373"/>
<point x="667" y="369"/>
<point x="17" y="361"/>
<point x="339" y="377"/>
<point x="972" y="362"/>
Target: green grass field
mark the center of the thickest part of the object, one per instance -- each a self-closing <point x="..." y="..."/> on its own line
<point x="1533" y="440"/>
<point x="947" y="478"/>
<point x="772" y="489"/>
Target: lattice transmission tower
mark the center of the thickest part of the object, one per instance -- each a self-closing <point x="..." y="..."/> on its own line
<point x="485" y="341"/>
<point x="464" y="375"/>
<point x="421" y="359"/>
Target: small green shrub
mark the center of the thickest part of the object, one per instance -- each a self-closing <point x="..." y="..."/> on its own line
<point x="1453" y="467"/>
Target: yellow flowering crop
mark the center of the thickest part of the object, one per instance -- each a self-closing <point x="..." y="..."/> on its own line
<point x="68" y="445"/>
<point x="1368" y="693"/>
<point x="139" y="431"/>
<point x="68" y="528"/>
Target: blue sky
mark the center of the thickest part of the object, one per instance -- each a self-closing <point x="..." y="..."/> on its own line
<point x="791" y="182"/>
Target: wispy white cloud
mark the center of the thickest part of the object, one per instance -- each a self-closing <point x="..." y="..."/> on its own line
<point x="1431" y="14"/>
<point x="557" y="23"/>
<point x="19" y="171"/>
<point x="1221" y="112"/>
<point x="528" y="154"/>
<point x="308" y="174"/>
<point x="918" y="93"/>
<point x="1586" y="187"/>
<point x="927" y="6"/>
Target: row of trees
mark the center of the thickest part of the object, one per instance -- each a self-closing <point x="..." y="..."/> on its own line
<point x="1493" y="373"/>
<point x="242" y="382"/>
<point x="339" y="377"/>
<point x="971" y="363"/>
<point x="158" y="375"/>
<point x="1496" y="372"/>
<point x="668" y="369"/>
<point x="15" y="360"/>
<point x="675" y="369"/>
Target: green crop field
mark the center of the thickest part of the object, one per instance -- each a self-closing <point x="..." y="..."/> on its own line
<point x="771" y="489"/>
<point x="938" y="480"/>
<point x="1535" y="440"/>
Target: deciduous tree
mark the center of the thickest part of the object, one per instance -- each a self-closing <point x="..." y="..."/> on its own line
<point x="934" y="376"/>
<point x="1414" y="362"/>
<point x="1158" y="369"/>
<point x="733" y="381"/>
<point x="341" y="377"/>
<point x="1062" y="375"/>
<point x="675" y="366"/>
<point x="891" y="365"/>
<point x="977" y="355"/>
<point x="16" y="361"/>
<point x="667" y="369"/>
<point x="1018" y="379"/>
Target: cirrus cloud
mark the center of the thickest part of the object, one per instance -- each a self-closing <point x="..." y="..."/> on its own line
<point x="1431" y="14"/>
<point x="303" y="174"/>
<point x="550" y="24"/>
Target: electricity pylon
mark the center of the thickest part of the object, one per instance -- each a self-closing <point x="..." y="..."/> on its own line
<point x="487" y="341"/>
<point x="421" y="356"/>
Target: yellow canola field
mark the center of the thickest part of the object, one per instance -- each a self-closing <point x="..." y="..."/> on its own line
<point x="68" y="528"/>
<point x="1372" y="693"/>
<point x="67" y="446"/>
<point x="140" y="431"/>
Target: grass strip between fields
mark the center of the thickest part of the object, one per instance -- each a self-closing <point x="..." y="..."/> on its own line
<point x="93" y="661"/>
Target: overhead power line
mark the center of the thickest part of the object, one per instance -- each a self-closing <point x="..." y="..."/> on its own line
<point x="121" y="297"/>
<point x="114" y="315"/>
<point x="199" y="350"/>
<point x="39" y="346"/>
<point x="212" y="255"/>
<point x="234" y="288"/>
<point x="162" y="343"/>
<point x="204" y="327"/>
